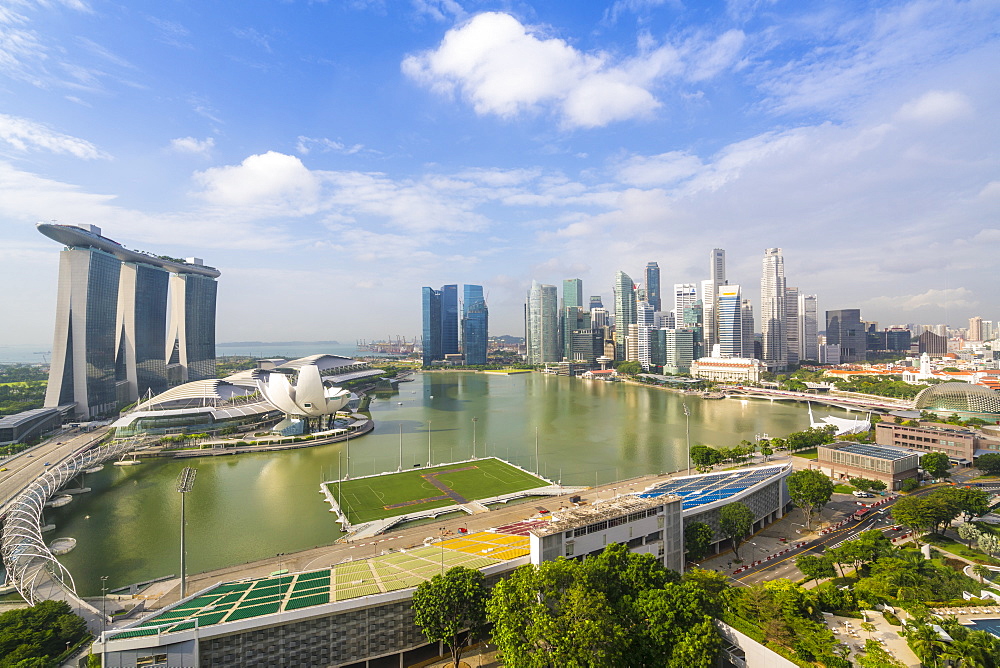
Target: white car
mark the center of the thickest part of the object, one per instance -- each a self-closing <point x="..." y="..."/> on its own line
<point x="862" y="495"/>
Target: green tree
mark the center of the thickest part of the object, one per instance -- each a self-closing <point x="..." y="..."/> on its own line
<point x="736" y="522"/>
<point x="629" y="368"/>
<point x="981" y="571"/>
<point x="810" y="490"/>
<point x="697" y="539"/>
<point x="915" y="513"/>
<point x="969" y="533"/>
<point x="925" y="643"/>
<point x="876" y="657"/>
<point x="989" y="463"/>
<point x="909" y="485"/>
<point x="40" y="632"/>
<point x="815" y="568"/>
<point x="705" y="457"/>
<point x="936" y="464"/>
<point x="864" y="484"/>
<point x="447" y="605"/>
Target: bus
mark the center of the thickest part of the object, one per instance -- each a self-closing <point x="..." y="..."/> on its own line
<point x="861" y="514"/>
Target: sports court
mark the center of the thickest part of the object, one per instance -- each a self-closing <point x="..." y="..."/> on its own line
<point x="393" y="494"/>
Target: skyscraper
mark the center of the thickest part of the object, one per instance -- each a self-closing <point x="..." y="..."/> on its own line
<point x="431" y="313"/>
<point x="773" y="311"/>
<point x="653" y="285"/>
<point x="975" y="329"/>
<point x="569" y="316"/>
<point x="449" y="319"/>
<point x="792" y="325"/>
<point x="595" y="302"/>
<point x="730" y="313"/>
<point x="542" y="324"/>
<point x="844" y="328"/>
<point x="110" y="345"/>
<point x="808" y="328"/>
<point x="685" y="295"/>
<point x="746" y="323"/>
<point x="710" y="294"/>
<point x="475" y="324"/>
<point x="625" y="311"/>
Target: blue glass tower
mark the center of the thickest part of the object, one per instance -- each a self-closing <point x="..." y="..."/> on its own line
<point x="449" y="320"/>
<point x="475" y="324"/>
<point x="432" y="325"/>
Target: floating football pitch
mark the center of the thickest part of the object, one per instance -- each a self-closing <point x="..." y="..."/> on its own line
<point x="413" y="491"/>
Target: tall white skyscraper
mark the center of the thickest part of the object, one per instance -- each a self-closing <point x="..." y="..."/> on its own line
<point x="710" y="294"/>
<point x="730" y="312"/>
<point x="773" y="311"/>
<point x="542" y="324"/>
<point x="685" y="295"/>
<point x="792" y="325"/>
<point x="808" y="328"/>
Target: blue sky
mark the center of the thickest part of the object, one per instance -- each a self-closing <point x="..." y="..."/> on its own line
<point x="332" y="157"/>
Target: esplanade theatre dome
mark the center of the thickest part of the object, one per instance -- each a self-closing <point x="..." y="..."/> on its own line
<point x="966" y="399"/>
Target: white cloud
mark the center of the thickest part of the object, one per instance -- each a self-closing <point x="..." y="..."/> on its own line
<point x="25" y="135"/>
<point x="948" y="298"/>
<point x="936" y="107"/>
<point x="265" y="184"/>
<point x="659" y="170"/>
<point x="439" y="10"/>
<point x="191" y="145"/>
<point x="506" y="68"/>
<point x="306" y="144"/>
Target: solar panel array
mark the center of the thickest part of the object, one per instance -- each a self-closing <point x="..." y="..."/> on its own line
<point x="233" y="601"/>
<point x="699" y="490"/>
<point x="891" y="454"/>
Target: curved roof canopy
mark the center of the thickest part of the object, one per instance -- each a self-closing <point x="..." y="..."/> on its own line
<point x="962" y="397"/>
<point x="70" y="235"/>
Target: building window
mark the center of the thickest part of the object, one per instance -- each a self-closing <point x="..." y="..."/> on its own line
<point x="153" y="661"/>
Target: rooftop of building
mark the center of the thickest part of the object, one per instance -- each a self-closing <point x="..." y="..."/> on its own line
<point x="876" y="451"/>
<point x="698" y="490"/>
<point x="74" y="236"/>
<point x="23" y="417"/>
<point x="587" y="515"/>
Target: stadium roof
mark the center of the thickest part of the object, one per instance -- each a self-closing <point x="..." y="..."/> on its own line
<point x="234" y="601"/>
<point x="699" y="490"/>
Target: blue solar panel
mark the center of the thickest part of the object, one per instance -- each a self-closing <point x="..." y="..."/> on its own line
<point x="699" y="490"/>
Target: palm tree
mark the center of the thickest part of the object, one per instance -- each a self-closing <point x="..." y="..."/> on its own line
<point x="981" y="571"/>
<point x="925" y="643"/>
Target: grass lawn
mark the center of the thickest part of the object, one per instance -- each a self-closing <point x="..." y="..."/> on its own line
<point x="843" y="489"/>
<point x="808" y="454"/>
<point x="960" y="549"/>
<point x="367" y="499"/>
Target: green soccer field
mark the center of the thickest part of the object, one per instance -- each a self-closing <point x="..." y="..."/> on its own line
<point x="393" y="494"/>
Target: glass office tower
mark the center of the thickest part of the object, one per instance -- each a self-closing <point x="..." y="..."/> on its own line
<point x="431" y="339"/>
<point x="475" y="324"/>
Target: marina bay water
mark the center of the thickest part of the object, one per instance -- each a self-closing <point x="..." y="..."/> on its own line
<point x="253" y="506"/>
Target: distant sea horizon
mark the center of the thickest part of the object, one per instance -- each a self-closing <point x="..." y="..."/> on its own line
<point x="41" y="354"/>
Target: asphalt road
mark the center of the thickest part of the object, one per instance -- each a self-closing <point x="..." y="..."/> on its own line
<point x="23" y="468"/>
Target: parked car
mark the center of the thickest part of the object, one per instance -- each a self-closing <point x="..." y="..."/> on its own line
<point x="862" y="495"/>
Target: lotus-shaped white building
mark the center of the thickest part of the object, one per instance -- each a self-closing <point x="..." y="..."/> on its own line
<point x="299" y="388"/>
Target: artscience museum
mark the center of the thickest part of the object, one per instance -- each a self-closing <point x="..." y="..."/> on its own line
<point x="286" y="397"/>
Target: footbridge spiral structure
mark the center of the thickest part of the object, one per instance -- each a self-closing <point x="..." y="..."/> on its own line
<point x="31" y="567"/>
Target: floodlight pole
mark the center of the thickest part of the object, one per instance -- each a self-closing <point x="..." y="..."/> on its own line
<point x="400" y="447"/>
<point x="347" y="477"/>
<point x="185" y="481"/>
<point x="474" y="421"/>
<point x="429" y="423"/>
<point x="536" y="450"/>
<point x="104" y="603"/>
<point x="687" y="428"/>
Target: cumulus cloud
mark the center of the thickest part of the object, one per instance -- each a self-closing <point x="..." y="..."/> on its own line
<point x="25" y="135"/>
<point x="191" y="145"/>
<point x="265" y="183"/>
<point x="659" y="170"/>
<point x="505" y="68"/>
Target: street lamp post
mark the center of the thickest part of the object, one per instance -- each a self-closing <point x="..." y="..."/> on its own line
<point x="687" y="429"/>
<point x="474" y="421"/>
<point x="185" y="481"/>
<point x="104" y="602"/>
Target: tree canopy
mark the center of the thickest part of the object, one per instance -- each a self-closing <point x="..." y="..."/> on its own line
<point x="936" y="464"/>
<point x="447" y="605"/>
<point x="615" y="609"/>
<point x="810" y="490"/>
<point x="736" y="521"/>
<point x="989" y="463"/>
<point x="40" y="632"/>
<point x="697" y="539"/>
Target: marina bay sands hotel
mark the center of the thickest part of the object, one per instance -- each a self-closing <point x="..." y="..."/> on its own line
<point x="127" y="322"/>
